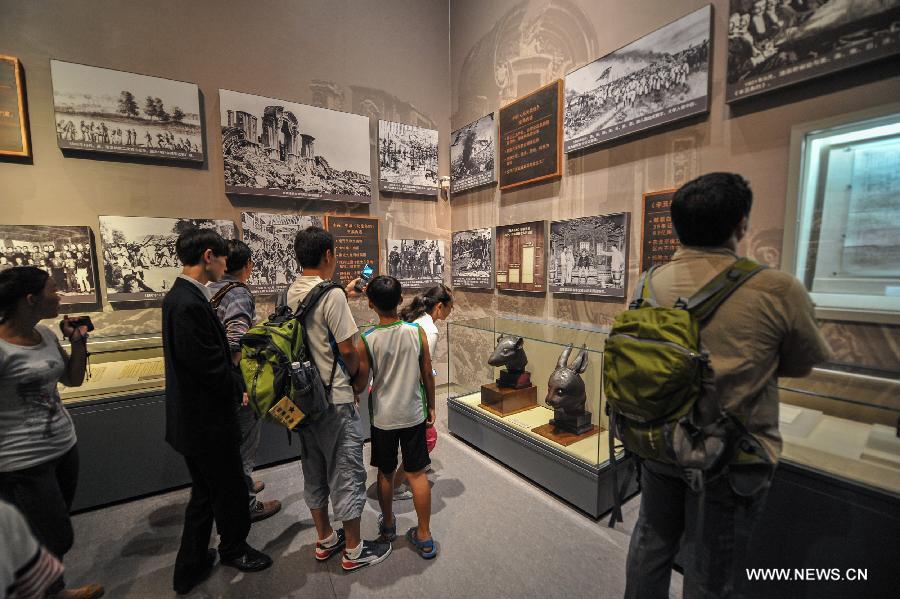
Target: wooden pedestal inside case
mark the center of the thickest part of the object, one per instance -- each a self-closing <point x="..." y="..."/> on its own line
<point x="504" y="401"/>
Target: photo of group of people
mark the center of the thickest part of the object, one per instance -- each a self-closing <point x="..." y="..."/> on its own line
<point x="588" y="255"/>
<point x="271" y="241"/>
<point x="63" y="251"/>
<point x="416" y="263"/>
<point x="407" y="158"/>
<point x="472" y="263"/>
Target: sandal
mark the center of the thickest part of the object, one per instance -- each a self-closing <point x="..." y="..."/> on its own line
<point x="386" y="534"/>
<point x="427" y="549"/>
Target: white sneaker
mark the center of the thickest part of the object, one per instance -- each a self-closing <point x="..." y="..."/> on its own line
<point x="402" y="492"/>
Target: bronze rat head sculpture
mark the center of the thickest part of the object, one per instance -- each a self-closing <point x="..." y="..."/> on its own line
<point x="510" y="352"/>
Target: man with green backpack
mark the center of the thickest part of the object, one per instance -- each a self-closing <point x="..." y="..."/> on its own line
<point x="702" y="414"/>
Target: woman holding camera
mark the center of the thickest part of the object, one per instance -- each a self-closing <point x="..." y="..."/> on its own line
<point x="38" y="450"/>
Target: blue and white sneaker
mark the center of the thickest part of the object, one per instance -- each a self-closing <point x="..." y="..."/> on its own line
<point x="324" y="551"/>
<point x="386" y="534"/>
<point x="372" y="552"/>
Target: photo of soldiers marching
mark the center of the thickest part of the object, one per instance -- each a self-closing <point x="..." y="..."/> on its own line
<point x="772" y="43"/>
<point x="589" y="255"/>
<point x="125" y="113"/>
<point x="472" y="150"/>
<point x="471" y="258"/>
<point x="416" y="263"/>
<point x="271" y="241"/>
<point x="660" y="78"/>
<point x="139" y="259"/>
<point x="407" y="158"/>
<point x="65" y="252"/>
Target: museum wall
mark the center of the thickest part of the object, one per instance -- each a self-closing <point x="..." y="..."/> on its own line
<point x="385" y="60"/>
<point x="503" y="49"/>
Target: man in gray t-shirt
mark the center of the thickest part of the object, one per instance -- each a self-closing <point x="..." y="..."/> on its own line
<point x="331" y="447"/>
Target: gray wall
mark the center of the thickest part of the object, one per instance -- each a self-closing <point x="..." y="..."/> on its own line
<point x="489" y="41"/>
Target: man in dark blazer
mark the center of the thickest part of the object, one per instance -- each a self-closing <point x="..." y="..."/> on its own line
<point x="202" y="397"/>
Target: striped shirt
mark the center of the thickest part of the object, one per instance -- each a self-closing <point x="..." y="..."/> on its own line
<point x="237" y="311"/>
<point x="398" y="398"/>
<point x="26" y="568"/>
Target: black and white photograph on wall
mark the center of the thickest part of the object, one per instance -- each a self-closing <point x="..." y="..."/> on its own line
<point x="472" y="260"/>
<point x="774" y="43"/>
<point x="589" y="255"/>
<point x="660" y="78"/>
<point x="284" y="149"/>
<point x="104" y="110"/>
<point x="139" y="257"/>
<point x="472" y="151"/>
<point x="407" y="159"/>
<point x="271" y="241"/>
<point x="416" y="263"/>
<point x="65" y="252"/>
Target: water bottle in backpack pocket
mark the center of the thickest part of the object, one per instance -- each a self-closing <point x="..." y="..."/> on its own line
<point x="308" y="391"/>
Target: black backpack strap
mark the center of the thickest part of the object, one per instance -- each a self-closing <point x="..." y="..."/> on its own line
<point x="303" y="309"/>
<point x="703" y="304"/>
<point x="616" y="515"/>
<point x="221" y="293"/>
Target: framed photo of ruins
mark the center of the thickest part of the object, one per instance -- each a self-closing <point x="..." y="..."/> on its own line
<point x="530" y="137"/>
<point x="13" y="113"/>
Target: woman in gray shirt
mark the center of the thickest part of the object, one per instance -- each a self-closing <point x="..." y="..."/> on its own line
<point x="38" y="450"/>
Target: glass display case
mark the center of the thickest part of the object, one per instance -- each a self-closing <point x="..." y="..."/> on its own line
<point x="843" y="424"/>
<point x="546" y="420"/>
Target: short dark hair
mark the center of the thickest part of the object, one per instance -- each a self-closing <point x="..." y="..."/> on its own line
<point x="18" y="282"/>
<point x="385" y="292"/>
<point x="238" y="255"/>
<point x="706" y="210"/>
<point x="310" y="246"/>
<point x="192" y="243"/>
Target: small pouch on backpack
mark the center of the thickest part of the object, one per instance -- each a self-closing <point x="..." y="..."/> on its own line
<point x="751" y="470"/>
<point x="308" y="390"/>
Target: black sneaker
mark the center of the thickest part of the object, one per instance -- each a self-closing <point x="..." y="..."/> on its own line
<point x="323" y="551"/>
<point x="371" y="554"/>
<point x="386" y="534"/>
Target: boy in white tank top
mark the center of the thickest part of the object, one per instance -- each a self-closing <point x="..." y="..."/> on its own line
<point x="402" y="407"/>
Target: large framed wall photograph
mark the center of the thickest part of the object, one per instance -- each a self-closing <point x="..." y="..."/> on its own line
<point x="416" y="263"/>
<point x="472" y="258"/>
<point x="13" y="114"/>
<point x="472" y="155"/>
<point x="658" y="238"/>
<point x="407" y="159"/>
<point x="772" y="44"/>
<point x="530" y="137"/>
<point x="589" y="255"/>
<point x="66" y="252"/>
<point x="356" y="243"/>
<point x="139" y="257"/>
<point x="116" y="112"/>
<point x="520" y="257"/>
<point x="660" y="78"/>
<point x="271" y="241"/>
<point x="284" y="149"/>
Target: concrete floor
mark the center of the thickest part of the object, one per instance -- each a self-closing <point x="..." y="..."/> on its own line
<point x="498" y="536"/>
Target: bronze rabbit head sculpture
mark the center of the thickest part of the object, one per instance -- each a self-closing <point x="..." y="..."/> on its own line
<point x="565" y="389"/>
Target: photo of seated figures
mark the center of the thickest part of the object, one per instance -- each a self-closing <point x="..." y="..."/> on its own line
<point x="63" y="251"/>
<point x="271" y="241"/>
<point x="589" y="255"/>
<point x="472" y="260"/>
<point x="416" y="263"/>
<point x="407" y="159"/>
<point x="660" y="78"/>
<point x="139" y="257"/>
<point x="774" y="43"/>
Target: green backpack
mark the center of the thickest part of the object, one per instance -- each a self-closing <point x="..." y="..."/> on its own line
<point x="282" y="381"/>
<point x="658" y="382"/>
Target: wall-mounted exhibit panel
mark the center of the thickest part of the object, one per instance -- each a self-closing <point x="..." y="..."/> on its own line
<point x="472" y="155"/>
<point x="139" y="253"/>
<point x="356" y="243"/>
<point x="284" y="149"/>
<point x="271" y="241"/>
<point x="416" y="263"/>
<point x="115" y="112"/>
<point x="520" y="257"/>
<point x="14" y="140"/>
<point x="530" y="137"/>
<point x="658" y="238"/>
<point x="66" y="253"/>
<point x="774" y="44"/>
<point x="472" y="259"/>
<point x="660" y="78"/>
<point x="588" y="255"/>
<point x="407" y="159"/>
